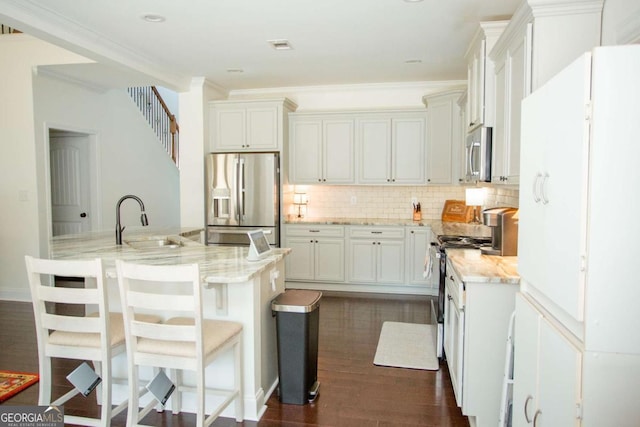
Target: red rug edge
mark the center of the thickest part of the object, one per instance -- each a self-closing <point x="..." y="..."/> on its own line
<point x="17" y="390"/>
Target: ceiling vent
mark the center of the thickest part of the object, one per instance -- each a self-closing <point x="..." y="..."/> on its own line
<point x="280" y="44"/>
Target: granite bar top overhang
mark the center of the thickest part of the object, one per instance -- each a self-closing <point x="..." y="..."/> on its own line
<point x="218" y="264"/>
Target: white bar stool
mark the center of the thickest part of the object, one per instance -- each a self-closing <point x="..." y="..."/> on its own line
<point x="97" y="337"/>
<point x="185" y="341"/>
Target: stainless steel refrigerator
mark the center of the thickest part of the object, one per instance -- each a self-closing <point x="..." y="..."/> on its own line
<point x="242" y="194"/>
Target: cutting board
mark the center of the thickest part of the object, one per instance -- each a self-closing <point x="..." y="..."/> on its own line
<point x="457" y="211"/>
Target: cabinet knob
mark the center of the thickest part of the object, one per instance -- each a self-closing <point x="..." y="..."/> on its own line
<point x="412" y="231"/>
<point x="388" y="180"/>
<point x="323" y="180"/>
<point x="394" y="180"/>
<point x="319" y="180"/>
<point x="429" y="180"/>
<point x="459" y="179"/>
<point x="83" y="215"/>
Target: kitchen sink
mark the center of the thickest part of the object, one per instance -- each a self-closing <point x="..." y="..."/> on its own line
<point x="154" y="243"/>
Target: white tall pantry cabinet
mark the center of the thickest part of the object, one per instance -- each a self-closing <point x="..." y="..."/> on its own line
<point x="577" y="353"/>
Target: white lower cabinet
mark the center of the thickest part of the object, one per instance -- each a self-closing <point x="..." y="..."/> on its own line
<point x="376" y="255"/>
<point x="358" y="258"/>
<point x="476" y="322"/>
<point x="547" y="372"/>
<point x="317" y="253"/>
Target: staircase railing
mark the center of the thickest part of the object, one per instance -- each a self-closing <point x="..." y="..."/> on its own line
<point x="157" y="113"/>
<point x="5" y="29"/>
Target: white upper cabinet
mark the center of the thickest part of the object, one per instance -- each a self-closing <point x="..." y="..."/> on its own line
<point x="444" y="138"/>
<point x="480" y="105"/>
<point x="512" y="82"/>
<point x="391" y="148"/>
<point x="381" y="147"/>
<point x="528" y="53"/>
<point x="322" y="150"/>
<point x="248" y="125"/>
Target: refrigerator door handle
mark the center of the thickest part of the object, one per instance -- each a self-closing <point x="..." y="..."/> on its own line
<point x="241" y="191"/>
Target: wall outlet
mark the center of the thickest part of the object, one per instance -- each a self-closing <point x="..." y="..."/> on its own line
<point x="354" y="200"/>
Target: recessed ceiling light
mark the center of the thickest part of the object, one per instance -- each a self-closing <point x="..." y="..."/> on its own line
<point x="151" y="17"/>
<point x="280" y="44"/>
<point x="413" y="61"/>
<point x="235" y="70"/>
<point x="412" y="1"/>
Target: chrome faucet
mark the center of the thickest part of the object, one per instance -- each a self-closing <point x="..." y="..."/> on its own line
<point x="143" y="217"/>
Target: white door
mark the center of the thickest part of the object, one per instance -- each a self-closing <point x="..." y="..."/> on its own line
<point x="70" y="182"/>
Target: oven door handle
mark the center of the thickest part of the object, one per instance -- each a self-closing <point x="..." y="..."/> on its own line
<point x="433" y="254"/>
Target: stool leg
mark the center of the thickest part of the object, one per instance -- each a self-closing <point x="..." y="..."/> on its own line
<point x="134" y="399"/>
<point x="105" y="410"/>
<point x="44" y="384"/>
<point x="200" y="394"/>
<point x="176" y="397"/>
<point x="237" y="376"/>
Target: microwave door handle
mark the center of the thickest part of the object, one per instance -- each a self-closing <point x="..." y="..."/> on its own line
<point x="472" y="160"/>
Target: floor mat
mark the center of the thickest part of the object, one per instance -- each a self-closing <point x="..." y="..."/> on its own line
<point x="407" y="345"/>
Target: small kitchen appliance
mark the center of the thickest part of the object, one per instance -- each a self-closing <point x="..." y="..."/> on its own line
<point x="504" y="231"/>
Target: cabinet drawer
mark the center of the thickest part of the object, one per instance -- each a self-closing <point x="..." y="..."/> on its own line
<point x="322" y="230"/>
<point x="376" y="232"/>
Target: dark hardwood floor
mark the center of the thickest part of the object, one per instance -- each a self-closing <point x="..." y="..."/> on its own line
<point x="353" y="391"/>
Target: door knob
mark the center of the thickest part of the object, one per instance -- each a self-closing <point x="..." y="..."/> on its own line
<point x="83" y="215"/>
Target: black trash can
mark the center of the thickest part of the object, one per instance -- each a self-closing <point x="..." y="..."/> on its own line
<point x="297" y="315"/>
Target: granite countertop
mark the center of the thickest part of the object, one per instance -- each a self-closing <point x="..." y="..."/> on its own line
<point x="218" y="264"/>
<point x="472" y="266"/>
<point x="357" y="221"/>
<point x="438" y="227"/>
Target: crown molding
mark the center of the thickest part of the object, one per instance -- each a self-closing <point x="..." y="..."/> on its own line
<point x="429" y="86"/>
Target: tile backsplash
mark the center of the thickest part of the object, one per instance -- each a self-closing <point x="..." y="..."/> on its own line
<point x="393" y="202"/>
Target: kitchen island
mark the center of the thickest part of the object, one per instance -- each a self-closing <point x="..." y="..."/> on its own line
<point x="237" y="290"/>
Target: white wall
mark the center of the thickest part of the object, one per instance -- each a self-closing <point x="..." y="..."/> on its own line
<point x="128" y="160"/>
<point x="19" y="226"/>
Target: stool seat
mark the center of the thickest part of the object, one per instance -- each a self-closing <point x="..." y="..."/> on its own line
<point x="215" y="334"/>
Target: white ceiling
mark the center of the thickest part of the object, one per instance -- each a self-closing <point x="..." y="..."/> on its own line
<point x="334" y="41"/>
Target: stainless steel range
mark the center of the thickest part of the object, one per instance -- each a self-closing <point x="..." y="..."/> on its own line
<point x="438" y="258"/>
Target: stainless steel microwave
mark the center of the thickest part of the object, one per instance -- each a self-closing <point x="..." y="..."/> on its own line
<point x="478" y="155"/>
